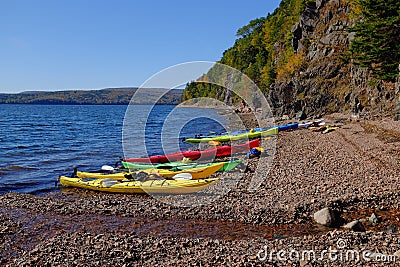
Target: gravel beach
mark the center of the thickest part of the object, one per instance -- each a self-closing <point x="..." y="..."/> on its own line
<point x="353" y="170"/>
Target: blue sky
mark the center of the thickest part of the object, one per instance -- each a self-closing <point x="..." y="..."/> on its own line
<point x="91" y="44"/>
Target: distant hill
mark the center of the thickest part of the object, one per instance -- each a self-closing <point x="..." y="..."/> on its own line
<point x="108" y="96"/>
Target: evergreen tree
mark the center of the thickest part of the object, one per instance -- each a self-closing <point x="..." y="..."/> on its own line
<point x="377" y="37"/>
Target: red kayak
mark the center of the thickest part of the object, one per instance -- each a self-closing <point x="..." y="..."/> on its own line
<point x="221" y="151"/>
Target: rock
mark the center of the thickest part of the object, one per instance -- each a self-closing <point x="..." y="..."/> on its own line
<point x="319" y="3"/>
<point x="326" y="217"/>
<point x="297" y="35"/>
<point x="301" y="115"/>
<point x="391" y="229"/>
<point x="355" y="226"/>
<point x="397" y="111"/>
<point x="374" y="219"/>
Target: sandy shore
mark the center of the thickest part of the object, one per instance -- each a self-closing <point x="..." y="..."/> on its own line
<point x="353" y="170"/>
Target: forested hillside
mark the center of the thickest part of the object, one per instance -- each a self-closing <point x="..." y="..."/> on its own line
<point x="110" y="96"/>
<point x="318" y="57"/>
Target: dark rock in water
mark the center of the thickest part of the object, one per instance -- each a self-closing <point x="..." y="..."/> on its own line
<point x="355" y="226"/>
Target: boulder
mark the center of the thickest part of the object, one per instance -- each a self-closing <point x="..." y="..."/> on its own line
<point x="326" y="217"/>
<point x="355" y="226"/>
<point x="374" y="219"/>
<point x="301" y="115"/>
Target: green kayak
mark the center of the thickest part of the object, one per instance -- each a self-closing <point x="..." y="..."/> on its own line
<point x="227" y="138"/>
<point x="229" y="165"/>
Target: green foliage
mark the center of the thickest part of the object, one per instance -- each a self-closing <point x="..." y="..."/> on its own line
<point x="202" y="89"/>
<point x="345" y="57"/>
<point x="372" y="83"/>
<point x="376" y="44"/>
<point x="254" y="26"/>
<point x="263" y="48"/>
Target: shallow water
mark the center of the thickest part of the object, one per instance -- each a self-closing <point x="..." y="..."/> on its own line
<point x="44" y="225"/>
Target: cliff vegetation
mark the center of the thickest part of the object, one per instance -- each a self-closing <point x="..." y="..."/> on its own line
<point x="313" y="57"/>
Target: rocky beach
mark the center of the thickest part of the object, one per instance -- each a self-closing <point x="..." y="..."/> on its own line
<point x="325" y="195"/>
<point x="352" y="174"/>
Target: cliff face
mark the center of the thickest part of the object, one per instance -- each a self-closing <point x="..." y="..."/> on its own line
<point x="327" y="82"/>
<point x="299" y="57"/>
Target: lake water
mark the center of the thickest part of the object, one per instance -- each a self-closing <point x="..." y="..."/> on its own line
<point x="40" y="142"/>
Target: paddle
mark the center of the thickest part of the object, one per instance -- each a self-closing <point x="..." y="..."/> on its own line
<point x="107" y="168"/>
<point x="182" y="176"/>
<point x="179" y="176"/>
<point x="109" y="182"/>
<point x="110" y="169"/>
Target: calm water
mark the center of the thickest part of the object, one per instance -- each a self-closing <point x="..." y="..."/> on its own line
<point x="40" y="142"/>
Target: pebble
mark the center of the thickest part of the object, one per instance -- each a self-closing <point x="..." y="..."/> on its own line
<point x="341" y="170"/>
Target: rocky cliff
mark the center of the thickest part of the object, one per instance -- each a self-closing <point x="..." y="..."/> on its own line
<point x="328" y="81"/>
<point x="299" y="57"/>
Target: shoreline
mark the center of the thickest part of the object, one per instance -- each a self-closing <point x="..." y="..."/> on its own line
<point x="201" y="106"/>
<point x="354" y="169"/>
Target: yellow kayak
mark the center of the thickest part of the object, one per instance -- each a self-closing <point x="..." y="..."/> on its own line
<point x="138" y="187"/>
<point x="226" y="138"/>
<point x="197" y="173"/>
